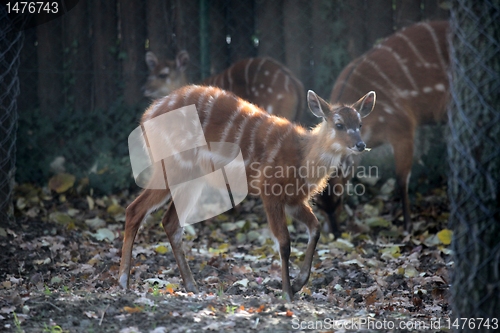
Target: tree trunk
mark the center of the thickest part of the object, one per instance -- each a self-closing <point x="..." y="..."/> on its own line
<point x="474" y="160"/>
<point x="49" y="54"/>
<point x="105" y="65"/>
<point x="76" y="37"/>
<point x="133" y="33"/>
<point x="356" y="36"/>
<point x="269" y="25"/>
<point x="435" y="10"/>
<point x="407" y="13"/>
<point x="241" y="29"/>
<point x="187" y="30"/>
<point x="160" y="28"/>
<point x="321" y="43"/>
<point x="379" y="22"/>
<point x="28" y="73"/>
<point x="297" y="38"/>
<point x="219" y="53"/>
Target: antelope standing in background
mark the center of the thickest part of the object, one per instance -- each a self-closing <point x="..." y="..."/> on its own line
<point x="261" y="81"/>
<point x="409" y="72"/>
<point x="269" y="145"/>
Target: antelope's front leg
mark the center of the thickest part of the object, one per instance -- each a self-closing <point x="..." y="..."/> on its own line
<point x="303" y="213"/>
<point x="277" y="224"/>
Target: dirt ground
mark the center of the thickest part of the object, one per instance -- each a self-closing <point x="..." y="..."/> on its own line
<point x="59" y="263"/>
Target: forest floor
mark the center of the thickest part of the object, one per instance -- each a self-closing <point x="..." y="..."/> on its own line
<point x="59" y="264"/>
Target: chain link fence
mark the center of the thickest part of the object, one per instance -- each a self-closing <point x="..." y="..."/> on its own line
<point x="474" y="159"/>
<point x="11" y="42"/>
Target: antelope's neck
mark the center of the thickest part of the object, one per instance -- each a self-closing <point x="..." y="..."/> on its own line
<point x="319" y="160"/>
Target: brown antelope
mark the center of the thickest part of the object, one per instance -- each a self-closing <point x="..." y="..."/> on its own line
<point x="285" y="164"/>
<point x="261" y="81"/>
<point x="409" y="71"/>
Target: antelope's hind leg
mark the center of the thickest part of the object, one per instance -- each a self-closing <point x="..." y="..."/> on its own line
<point x="174" y="233"/>
<point x="137" y="211"/>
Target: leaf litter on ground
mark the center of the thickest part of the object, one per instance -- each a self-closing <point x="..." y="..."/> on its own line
<point x="62" y="254"/>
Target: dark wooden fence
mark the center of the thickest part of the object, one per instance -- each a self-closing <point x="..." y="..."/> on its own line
<point x="95" y="53"/>
<point x="92" y="58"/>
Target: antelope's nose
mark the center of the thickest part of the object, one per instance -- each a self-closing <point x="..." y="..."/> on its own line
<point x="361" y="145"/>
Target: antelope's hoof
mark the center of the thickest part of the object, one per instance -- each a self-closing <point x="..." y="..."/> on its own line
<point x="123" y="281"/>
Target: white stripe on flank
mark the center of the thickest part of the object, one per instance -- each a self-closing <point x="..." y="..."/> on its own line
<point x="188" y="93"/>
<point x="241" y="129"/>
<point x="208" y="108"/>
<point x="436" y="44"/>
<point x="278" y="145"/>
<point x="246" y="75"/>
<point x="229" y="124"/>
<point x="172" y="99"/>
<point x="275" y="77"/>
<point x="258" y="71"/>
<point x="270" y="129"/>
<point x="287" y="83"/>
<point x="253" y="135"/>
<point x="382" y="74"/>
<point x="401" y="64"/>
<point x="414" y="49"/>
<point x="201" y="101"/>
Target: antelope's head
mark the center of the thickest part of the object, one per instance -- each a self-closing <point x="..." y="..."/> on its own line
<point x="342" y="123"/>
<point x="165" y="76"/>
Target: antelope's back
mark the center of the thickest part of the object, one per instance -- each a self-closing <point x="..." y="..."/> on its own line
<point x="264" y="139"/>
<point x="266" y="83"/>
<point x="408" y="70"/>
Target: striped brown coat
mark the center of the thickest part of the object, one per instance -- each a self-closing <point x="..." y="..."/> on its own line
<point x="408" y="70"/>
<point x="262" y="81"/>
<point x="285" y="164"/>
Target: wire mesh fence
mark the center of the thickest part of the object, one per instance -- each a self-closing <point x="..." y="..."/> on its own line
<point x="81" y="74"/>
<point x="474" y="158"/>
<point x="11" y="42"/>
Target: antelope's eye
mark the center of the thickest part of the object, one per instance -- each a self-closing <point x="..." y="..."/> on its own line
<point x="162" y="75"/>
<point x="339" y="126"/>
<point x="360" y="125"/>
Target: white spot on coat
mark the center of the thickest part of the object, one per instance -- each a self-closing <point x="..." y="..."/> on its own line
<point x="388" y="109"/>
<point x="439" y="87"/>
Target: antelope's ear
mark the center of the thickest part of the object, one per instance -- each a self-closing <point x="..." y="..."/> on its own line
<point x="182" y="60"/>
<point x="151" y="60"/>
<point x="365" y="105"/>
<point x="318" y="106"/>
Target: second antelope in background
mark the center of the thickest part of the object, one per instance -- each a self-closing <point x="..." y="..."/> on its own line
<point x="284" y="164"/>
<point x="408" y="70"/>
<point x="261" y="81"/>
